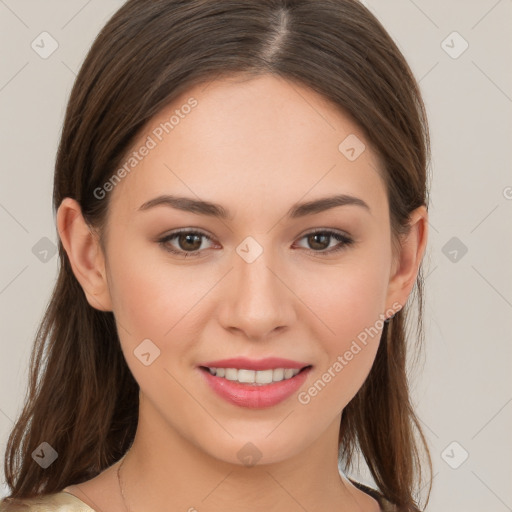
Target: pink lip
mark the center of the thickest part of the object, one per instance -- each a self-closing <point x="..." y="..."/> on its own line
<point x="269" y="363"/>
<point x="252" y="396"/>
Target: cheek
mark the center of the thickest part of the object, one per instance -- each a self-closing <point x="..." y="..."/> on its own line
<point x="347" y="299"/>
<point x="139" y="295"/>
<point x="138" y="292"/>
<point x="153" y="301"/>
<point x="353" y="314"/>
<point x="154" y="298"/>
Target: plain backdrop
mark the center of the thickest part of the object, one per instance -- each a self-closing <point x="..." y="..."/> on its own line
<point x="460" y="51"/>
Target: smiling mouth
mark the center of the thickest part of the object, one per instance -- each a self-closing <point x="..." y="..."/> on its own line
<point x="254" y="377"/>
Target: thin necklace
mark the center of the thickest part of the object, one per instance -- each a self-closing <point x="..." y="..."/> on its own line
<point x="120" y="486"/>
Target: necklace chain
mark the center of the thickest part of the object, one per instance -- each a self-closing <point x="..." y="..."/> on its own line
<point x="121" y="487"/>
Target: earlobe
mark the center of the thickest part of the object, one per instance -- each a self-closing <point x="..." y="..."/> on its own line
<point x="84" y="253"/>
<point x="410" y="257"/>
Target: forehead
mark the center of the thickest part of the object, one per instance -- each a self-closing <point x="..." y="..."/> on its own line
<point x="245" y="142"/>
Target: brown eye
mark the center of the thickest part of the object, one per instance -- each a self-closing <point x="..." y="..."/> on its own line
<point x="188" y="243"/>
<point x="319" y="241"/>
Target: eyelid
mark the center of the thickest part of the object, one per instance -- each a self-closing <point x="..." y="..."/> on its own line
<point x="164" y="241"/>
<point x="343" y="238"/>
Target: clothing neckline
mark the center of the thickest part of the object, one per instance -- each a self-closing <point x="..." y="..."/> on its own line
<point x="80" y="500"/>
<point x="384" y="504"/>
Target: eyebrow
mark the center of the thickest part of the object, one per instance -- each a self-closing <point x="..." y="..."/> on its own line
<point x="208" y="208"/>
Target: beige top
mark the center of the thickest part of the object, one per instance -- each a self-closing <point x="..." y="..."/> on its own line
<point x="56" y="502"/>
<point x="65" y="502"/>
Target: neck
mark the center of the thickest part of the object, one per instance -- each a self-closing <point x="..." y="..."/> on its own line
<point x="163" y="469"/>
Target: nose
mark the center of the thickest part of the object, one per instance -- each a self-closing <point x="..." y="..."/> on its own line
<point x="257" y="299"/>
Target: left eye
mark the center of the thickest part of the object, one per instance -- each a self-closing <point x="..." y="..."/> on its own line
<point x="189" y="242"/>
<point x="318" y="238"/>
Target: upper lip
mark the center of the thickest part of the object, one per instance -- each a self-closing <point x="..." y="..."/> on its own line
<point x="268" y="363"/>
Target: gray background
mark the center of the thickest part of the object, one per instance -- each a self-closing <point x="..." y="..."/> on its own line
<point x="463" y="392"/>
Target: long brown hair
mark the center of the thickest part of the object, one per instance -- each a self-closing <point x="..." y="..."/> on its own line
<point x="82" y="398"/>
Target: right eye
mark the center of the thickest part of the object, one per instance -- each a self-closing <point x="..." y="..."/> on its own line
<point x="189" y="242"/>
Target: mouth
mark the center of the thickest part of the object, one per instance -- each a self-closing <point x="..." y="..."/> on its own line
<point x="255" y="384"/>
<point x="254" y="377"/>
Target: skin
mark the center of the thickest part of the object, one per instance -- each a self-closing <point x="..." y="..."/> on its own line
<point x="256" y="147"/>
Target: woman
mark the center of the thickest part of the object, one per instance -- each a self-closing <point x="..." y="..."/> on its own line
<point x="241" y="198"/>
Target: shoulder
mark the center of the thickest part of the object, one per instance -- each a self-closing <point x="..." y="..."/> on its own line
<point x="384" y="504"/>
<point x="56" y="502"/>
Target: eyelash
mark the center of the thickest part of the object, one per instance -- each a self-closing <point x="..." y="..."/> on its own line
<point x="346" y="242"/>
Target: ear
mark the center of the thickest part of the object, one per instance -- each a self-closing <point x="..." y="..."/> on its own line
<point x="407" y="262"/>
<point x="84" y="253"/>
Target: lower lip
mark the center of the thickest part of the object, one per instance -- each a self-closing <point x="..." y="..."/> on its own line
<point x="255" y="397"/>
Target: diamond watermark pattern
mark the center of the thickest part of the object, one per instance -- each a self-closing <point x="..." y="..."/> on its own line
<point x="454" y="455"/>
<point x="146" y="352"/>
<point x="44" y="45"/>
<point x="352" y="147"/>
<point x="44" y="250"/>
<point x="454" y="45"/>
<point x="249" y="455"/>
<point x="249" y="250"/>
<point x="44" y="454"/>
<point x="454" y="249"/>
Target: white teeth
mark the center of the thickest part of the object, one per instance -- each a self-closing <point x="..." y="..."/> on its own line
<point x="231" y="374"/>
<point x="288" y="373"/>
<point x="258" y="377"/>
<point x="278" y="374"/>
<point x="263" y="376"/>
<point x="246" y="376"/>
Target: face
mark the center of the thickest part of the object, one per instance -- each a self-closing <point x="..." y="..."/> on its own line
<point x="260" y="282"/>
